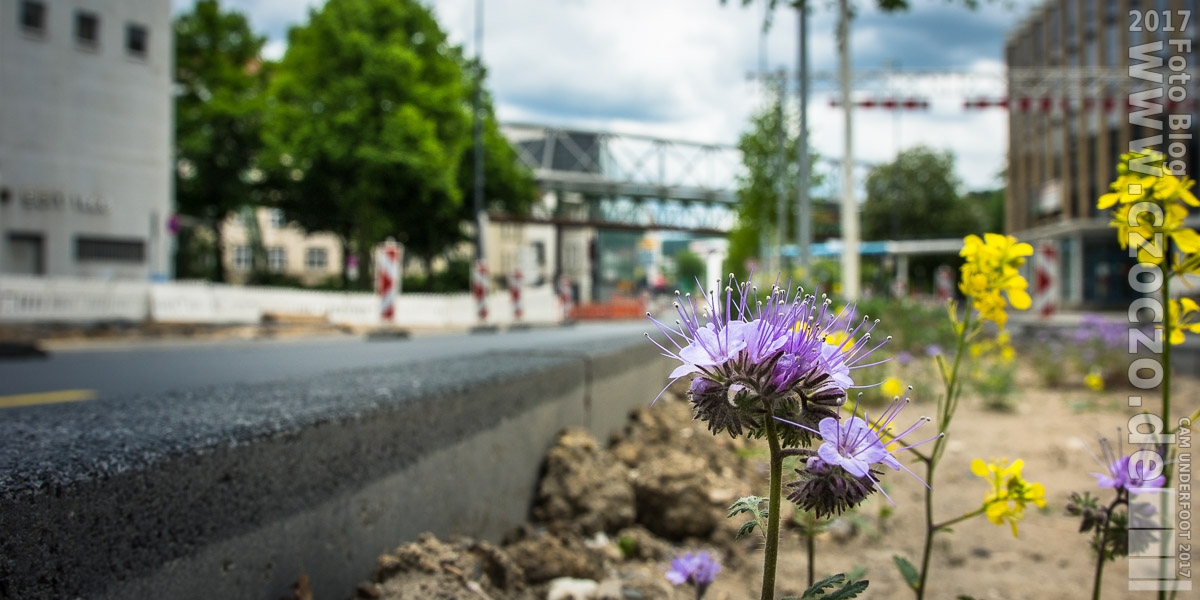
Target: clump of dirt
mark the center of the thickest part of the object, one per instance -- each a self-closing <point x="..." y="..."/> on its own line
<point x="605" y="522"/>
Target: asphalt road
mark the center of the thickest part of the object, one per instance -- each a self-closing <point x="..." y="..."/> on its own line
<point x="156" y="368"/>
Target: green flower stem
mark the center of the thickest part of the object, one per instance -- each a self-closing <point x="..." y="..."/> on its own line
<point x="771" y="552"/>
<point x="970" y="515"/>
<point x="1166" y="416"/>
<point x="930" y="530"/>
<point x="1102" y="539"/>
<point x="812" y="548"/>
<point x="946" y="406"/>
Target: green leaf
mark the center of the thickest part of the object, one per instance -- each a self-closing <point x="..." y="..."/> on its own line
<point x="827" y="589"/>
<point x="911" y="576"/>
<point x="748" y="504"/>
<point x="746" y="529"/>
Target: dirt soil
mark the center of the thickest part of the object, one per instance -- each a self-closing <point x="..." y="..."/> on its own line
<point x="611" y="516"/>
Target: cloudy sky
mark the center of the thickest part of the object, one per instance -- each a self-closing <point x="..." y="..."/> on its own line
<point x="680" y="68"/>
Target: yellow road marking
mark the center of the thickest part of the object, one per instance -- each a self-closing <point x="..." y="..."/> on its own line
<point x="47" y="398"/>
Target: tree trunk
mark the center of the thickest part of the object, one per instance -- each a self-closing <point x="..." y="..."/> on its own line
<point x="218" y="250"/>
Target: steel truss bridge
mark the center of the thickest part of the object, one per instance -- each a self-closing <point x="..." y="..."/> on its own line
<point x="627" y="181"/>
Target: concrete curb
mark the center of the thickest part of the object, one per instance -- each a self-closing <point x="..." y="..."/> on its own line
<point x="316" y="477"/>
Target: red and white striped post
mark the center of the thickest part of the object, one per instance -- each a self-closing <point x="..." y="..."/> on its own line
<point x="565" y="293"/>
<point x="479" y="288"/>
<point x="1045" y="278"/>
<point x="387" y="278"/>
<point x="514" y="292"/>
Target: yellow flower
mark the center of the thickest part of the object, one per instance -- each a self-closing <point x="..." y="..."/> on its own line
<point x="1153" y="250"/>
<point x="1010" y="492"/>
<point x="1094" y="380"/>
<point x="837" y="337"/>
<point x="1182" y="315"/>
<point x="891" y="387"/>
<point x="990" y="270"/>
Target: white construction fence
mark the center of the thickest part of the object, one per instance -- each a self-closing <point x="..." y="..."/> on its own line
<point x="68" y="300"/>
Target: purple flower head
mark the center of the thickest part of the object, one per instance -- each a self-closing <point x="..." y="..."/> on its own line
<point x="770" y="348"/>
<point x="856" y="445"/>
<point x="1119" y="475"/>
<point x="696" y="569"/>
<point x="904" y="358"/>
<point x="933" y="350"/>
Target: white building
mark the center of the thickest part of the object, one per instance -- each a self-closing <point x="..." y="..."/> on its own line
<point x="85" y="138"/>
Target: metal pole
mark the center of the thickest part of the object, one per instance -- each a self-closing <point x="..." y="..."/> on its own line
<point x="781" y="186"/>
<point x="480" y="217"/>
<point x="804" y="203"/>
<point x="849" y="218"/>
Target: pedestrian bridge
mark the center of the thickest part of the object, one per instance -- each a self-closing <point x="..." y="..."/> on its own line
<point x="627" y="181"/>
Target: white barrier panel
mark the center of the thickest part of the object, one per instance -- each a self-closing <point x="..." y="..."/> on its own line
<point x="39" y="299"/>
<point x="60" y="299"/>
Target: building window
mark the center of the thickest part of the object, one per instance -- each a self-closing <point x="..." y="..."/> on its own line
<point x="276" y="259"/>
<point x="25" y="254"/>
<point x="243" y="258"/>
<point x="539" y="253"/>
<point x="275" y="218"/>
<point x="33" y="17"/>
<point x="136" y="37"/>
<point x="110" y="249"/>
<point x="87" y="30"/>
<point x="316" y="259"/>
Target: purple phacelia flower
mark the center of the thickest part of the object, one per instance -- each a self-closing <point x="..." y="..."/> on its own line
<point x="904" y="358"/>
<point x="765" y="355"/>
<point x="842" y="473"/>
<point x="696" y="569"/>
<point x="1119" y="475"/>
<point x="933" y="350"/>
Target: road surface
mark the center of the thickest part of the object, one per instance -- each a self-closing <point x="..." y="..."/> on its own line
<point x="157" y="368"/>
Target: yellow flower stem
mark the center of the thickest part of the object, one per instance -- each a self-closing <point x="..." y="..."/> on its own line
<point x="771" y="551"/>
<point x="946" y="405"/>
<point x="970" y="515"/>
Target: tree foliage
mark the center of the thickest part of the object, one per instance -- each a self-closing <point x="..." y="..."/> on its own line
<point x="368" y="122"/>
<point x="369" y="132"/>
<point x="756" y="193"/>
<point x="218" y="115"/>
<point x="917" y="196"/>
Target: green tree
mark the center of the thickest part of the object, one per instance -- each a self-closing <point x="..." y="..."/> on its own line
<point x="218" y="116"/>
<point x="368" y="123"/>
<point x="917" y="197"/>
<point x="689" y="268"/>
<point x="757" y="194"/>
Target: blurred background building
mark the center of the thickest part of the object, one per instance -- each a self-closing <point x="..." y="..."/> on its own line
<point x="85" y="138"/>
<point x="286" y="253"/>
<point x="1069" y="122"/>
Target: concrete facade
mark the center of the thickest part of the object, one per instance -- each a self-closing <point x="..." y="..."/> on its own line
<point x="85" y="138"/>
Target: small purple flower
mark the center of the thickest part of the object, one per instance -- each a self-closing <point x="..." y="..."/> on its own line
<point x="904" y="358"/>
<point x="855" y="446"/>
<point x="696" y="569"/>
<point x="1119" y="476"/>
<point x="933" y="350"/>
